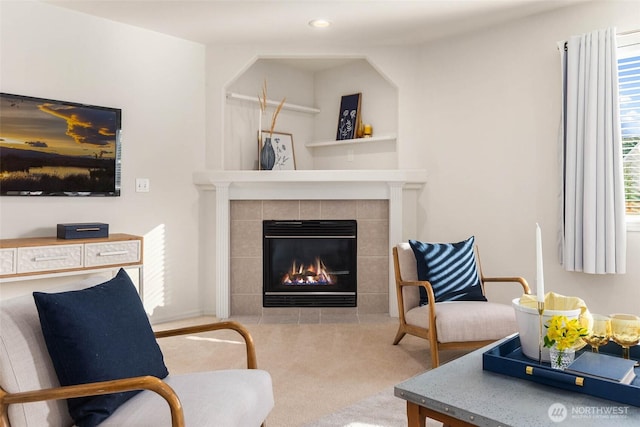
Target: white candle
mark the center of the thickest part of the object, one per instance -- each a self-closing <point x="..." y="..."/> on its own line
<point x="539" y="272"/>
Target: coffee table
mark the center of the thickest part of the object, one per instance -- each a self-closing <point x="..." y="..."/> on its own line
<point x="461" y="393"/>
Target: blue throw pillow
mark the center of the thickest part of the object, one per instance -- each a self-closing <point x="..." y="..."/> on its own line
<point x="97" y="334"/>
<point x="451" y="270"/>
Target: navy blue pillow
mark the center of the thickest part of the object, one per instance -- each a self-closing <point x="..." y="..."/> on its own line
<point x="97" y="334"/>
<point x="451" y="270"/>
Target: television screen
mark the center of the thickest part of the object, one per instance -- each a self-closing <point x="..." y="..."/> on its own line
<point x="58" y="148"/>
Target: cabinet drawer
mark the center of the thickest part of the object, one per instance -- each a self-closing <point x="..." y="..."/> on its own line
<point x="8" y="260"/>
<point x="111" y="253"/>
<point x="45" y="258"/>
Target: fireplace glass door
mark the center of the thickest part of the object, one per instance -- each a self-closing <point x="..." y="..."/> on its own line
<point x="309" y="263"/>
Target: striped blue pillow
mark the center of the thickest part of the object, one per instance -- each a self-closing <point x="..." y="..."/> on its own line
<point x="451" y="270"/>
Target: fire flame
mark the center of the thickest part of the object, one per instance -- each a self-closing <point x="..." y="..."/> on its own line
<point x="312" y="274"/>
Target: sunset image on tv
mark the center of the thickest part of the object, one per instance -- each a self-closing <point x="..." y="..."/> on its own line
<point x="52" y="147"/>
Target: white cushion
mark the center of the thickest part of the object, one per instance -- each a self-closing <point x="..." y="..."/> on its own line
<point x="409" y="273"/>
<point x="25" y="364"/>
<point x="228" y="398"/>
<point x="462" y="321"/>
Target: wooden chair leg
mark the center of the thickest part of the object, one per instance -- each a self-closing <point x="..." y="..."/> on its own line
<point x="435" y="360"/>
<point x="399" y="335"/>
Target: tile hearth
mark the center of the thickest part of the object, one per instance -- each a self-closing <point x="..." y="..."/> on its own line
<point x="312" y="316"/>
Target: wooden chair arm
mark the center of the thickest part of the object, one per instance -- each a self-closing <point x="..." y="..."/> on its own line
<point x="521" y="280"/>
<point x="103" y="387"/>
<point x="431" y="298"/>
<point x="425" y="284"/>
<point x="230" y="324"/>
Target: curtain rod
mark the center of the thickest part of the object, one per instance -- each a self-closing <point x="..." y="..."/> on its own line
<point x="629" y="42"/>
<point x="624" y="33"/>
<point x="628" y="33"/>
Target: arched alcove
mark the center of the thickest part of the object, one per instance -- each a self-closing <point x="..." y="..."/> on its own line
<point x="313" y="88"/>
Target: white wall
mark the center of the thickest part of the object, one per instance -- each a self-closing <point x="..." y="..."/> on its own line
<point x="491" y="113"/>
<point x="379" y="108"/>
<point x="481" y="113"/>
<point x="159" y="83"/>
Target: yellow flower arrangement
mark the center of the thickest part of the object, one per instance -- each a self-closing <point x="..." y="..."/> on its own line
<point x="563" y="333"/>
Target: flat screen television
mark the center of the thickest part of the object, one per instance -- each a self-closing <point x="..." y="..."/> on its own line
<point x="58" y="148"/>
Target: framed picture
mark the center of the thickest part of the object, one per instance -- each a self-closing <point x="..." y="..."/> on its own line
<point x="349" y="116"/>
<point x="275" y="151"/>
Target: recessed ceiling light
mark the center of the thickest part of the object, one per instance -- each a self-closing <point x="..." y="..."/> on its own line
<point x="319" y="23"/>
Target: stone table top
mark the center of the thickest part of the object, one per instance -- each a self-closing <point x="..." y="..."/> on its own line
<point x="462" y="389"/>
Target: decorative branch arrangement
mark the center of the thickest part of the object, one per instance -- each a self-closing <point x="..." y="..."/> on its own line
<point x="262" y="102"/>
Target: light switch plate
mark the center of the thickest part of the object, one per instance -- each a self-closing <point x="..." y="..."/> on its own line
<point x="142" y="185"/>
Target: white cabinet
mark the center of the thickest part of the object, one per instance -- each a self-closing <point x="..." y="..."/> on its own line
<point x="99" y="254"/>
<point x="31" y="257"/>
<point x="46" y="258"/>
<point x="8" y="261"/>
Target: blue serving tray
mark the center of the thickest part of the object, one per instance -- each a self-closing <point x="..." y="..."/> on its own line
<point x="507" y="359"/>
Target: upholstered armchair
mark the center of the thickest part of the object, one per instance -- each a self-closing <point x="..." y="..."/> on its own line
<point x="30" y="389"/>
<point x="449" y="317"/>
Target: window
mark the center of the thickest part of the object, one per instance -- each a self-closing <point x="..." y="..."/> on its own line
<point x="629" y="88"/>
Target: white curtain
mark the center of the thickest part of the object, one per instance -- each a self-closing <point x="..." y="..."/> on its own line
<point x="594" y="229"/>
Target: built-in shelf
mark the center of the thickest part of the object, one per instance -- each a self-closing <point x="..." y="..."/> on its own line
<point x="381" y="138"/>
<point x="272" y="103"/>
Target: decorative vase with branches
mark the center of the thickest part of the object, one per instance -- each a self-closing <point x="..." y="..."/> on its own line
<point x="267" y="153"/>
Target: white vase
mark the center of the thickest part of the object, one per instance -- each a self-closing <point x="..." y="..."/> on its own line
<point x="529" y="327"/>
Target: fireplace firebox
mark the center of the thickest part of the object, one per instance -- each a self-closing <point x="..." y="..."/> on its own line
<point x="310" y="263"/>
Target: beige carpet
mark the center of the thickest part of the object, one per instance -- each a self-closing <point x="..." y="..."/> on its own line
<point x="382" y="409"/>
<point x="317" y="369"/>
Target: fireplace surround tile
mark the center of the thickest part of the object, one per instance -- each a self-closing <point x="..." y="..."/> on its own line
<point x="338" y="209"/>
<point x="246" y="252"/>
<point x="310" y="209"/>
<point x="369" y="303"/>
<point x="247" y="274"/>
<point x="281" y="311"/>
<point x="373" y="237"/>
<point x="372" y="209"/>
<point x="372" y="275"/>
<point x="246" y="239"/>
<point x="310" y="315"/>
<point x="246" y="304"/>
<point x="339" y="318"/>
<point x="280" y="209"/>
<point x="246" y="209"/>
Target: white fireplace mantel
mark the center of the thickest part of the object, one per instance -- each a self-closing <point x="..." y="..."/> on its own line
<point x="303" y="185"/>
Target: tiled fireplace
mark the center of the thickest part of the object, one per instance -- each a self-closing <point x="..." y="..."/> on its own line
<point x="383" y="202"/>
<point x="372" y="217"/>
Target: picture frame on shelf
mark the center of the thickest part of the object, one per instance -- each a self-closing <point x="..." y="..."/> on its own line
<point x="277" y="153"/>
<point x="349" y="116"/>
